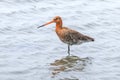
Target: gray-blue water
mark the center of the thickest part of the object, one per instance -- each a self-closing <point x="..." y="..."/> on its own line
<point x="26" y="53"/>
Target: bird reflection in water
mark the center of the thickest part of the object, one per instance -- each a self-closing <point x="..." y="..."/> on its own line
<point x="69" y="63"/>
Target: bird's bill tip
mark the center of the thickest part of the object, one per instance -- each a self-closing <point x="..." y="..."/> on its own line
<point x="40" y="26"/>
<point x="46" y="24"/>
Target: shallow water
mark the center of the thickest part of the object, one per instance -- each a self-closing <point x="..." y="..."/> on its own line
<point x="26" y="53"/>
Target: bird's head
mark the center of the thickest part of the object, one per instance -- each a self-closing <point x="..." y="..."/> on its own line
<point x="56" y="19"/>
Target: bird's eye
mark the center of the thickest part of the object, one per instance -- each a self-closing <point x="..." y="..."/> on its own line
<point x="55" y="18"/>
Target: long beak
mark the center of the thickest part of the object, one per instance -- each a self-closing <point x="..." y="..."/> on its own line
<point x="46" y="24"/>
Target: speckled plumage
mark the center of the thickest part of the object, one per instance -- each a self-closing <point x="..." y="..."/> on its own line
<point x="72" y="37"/>
<point x="67" y="35"/>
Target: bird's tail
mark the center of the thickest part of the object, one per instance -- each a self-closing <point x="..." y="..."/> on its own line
<point x="89" y="39"/>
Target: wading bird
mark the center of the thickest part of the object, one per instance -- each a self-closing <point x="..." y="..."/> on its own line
<point x="67" y="35"/>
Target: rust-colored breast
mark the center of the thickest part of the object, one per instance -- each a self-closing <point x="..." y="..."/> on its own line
<point x="71" y="37"/>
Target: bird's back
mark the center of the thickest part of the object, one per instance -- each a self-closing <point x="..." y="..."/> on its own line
<point x="72" y="37"/>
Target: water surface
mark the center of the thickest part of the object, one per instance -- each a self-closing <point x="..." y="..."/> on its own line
<point x="26" y="53"/>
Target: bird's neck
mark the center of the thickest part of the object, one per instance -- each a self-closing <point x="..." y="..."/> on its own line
<point x="59" y="25"/>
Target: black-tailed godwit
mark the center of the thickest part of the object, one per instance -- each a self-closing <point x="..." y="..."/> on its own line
<point x="67" y="35"/>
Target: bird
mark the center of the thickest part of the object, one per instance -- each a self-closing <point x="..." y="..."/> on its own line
<point x="67" y="35"/>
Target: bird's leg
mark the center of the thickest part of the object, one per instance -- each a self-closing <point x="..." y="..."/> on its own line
<point x="68" y="50"/>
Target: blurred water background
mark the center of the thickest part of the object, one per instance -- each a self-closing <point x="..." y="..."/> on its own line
<point x="28" y="53"/>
